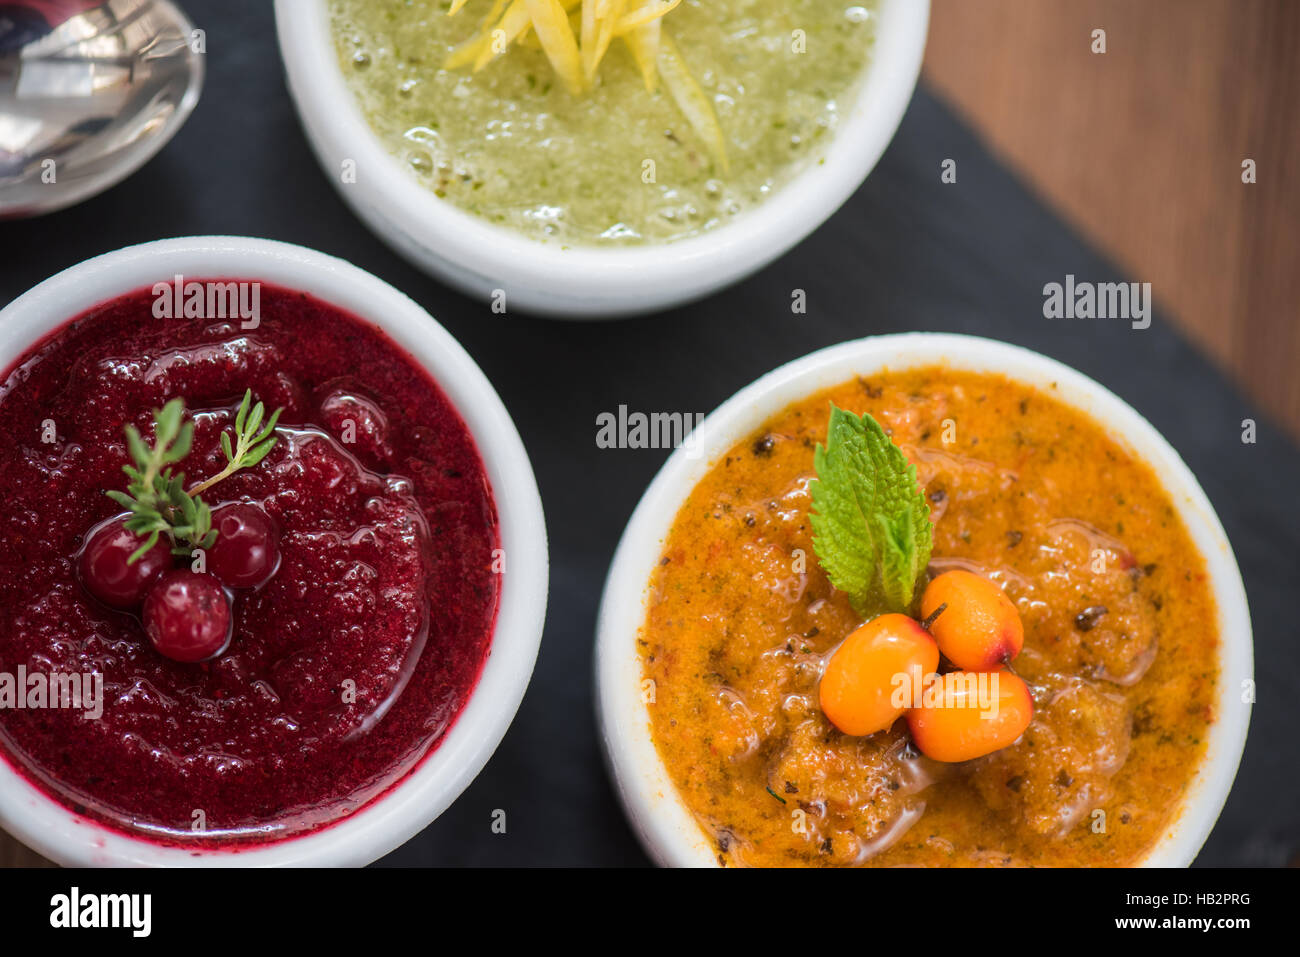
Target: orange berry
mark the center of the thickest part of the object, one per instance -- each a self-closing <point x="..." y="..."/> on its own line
<point x="951" y="724"/>
<point x="859" y="687"/>
<point x="980" y="628"/>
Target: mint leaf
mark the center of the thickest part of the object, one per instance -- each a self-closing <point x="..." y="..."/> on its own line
<point x="871" y="525"/>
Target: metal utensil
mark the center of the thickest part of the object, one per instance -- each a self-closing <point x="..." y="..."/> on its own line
<point x="89" y="91"/>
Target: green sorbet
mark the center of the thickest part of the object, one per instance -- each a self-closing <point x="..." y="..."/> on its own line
<point x="509" y="144"/>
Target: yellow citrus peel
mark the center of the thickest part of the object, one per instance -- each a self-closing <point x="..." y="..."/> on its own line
<point x="575" y="35"/>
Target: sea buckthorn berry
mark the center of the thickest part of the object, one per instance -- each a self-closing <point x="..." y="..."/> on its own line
<point x="106" y="572"/>
<point x="980" y="628"/>
<point x="860" y="688"/>
<point x="187" y="616"/>
<point x="966" y="715"/>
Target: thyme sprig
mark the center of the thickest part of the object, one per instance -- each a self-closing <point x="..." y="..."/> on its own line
<point x="250" y="445"/>
<point x="156" y="496"/>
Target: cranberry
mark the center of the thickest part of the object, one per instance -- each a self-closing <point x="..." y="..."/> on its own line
<point x="104" y="569"/>
<point x="247" y="550"/>
<point x="187" y="616"/>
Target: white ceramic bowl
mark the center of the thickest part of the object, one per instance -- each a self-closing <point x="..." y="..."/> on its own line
<point x="407" y="807"/>
<point x="478" y="257"/>
<point x="663" y="823"/>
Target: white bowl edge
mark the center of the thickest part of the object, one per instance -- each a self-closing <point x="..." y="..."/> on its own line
<point x="417" y="799"/>
<point x="479" y="257"/>
<point x="666" y="828"/>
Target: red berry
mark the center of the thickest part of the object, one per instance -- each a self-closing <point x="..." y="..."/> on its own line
<point x="187" y="616"/>
<point x="104" y="571"/>
<point x="247" y="550"/>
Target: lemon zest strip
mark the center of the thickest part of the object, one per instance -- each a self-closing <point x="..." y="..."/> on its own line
<point x="558" y="43"/>
<point x="690" y="99"/>
<point x="644" y="44"/>
<point x="467" y="51"/>
<point x="646" y="13"/>
<point x="575" y="44"/>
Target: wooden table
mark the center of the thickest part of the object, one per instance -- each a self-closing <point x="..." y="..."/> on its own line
<point x="1141" y="149"/>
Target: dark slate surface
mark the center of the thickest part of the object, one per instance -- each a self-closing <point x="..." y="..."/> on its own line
<point x="905" y="253"/>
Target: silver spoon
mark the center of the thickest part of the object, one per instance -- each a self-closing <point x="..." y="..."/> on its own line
<point x="89" y="91"/>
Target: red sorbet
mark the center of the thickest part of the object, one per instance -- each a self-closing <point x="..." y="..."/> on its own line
<point x="345" y="669"/>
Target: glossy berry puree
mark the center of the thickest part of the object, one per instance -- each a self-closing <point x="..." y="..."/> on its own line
<point x="344" y="669"/>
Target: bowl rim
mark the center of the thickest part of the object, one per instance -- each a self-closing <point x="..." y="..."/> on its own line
<point x="666" y="828"/>
<point x="593" y="280"/>
<point x="415" y="800"/>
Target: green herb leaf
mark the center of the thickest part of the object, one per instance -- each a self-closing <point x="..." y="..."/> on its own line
<point x="255" y="418"/>
<point x="181" y="447"/>
<point x="242" y="414"/>
<point x="135" y="445"/>
<point x="149" y="543"/>
<point x="871" y="525"/>
<point x="258" y="452"/>
<point x="157" y="499"/>
<point x="249" y="446"/>
<point x="121" y="498"/>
